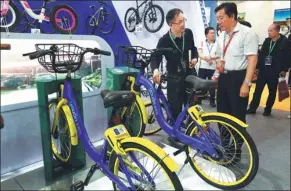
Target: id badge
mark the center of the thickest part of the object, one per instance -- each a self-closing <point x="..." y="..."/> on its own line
<point x="268" y="61"/>
<point x="183" y="63"/>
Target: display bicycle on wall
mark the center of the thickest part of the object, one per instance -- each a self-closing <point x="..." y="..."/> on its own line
<point x="62" y="24"/>
<point x="67" y="58"/>
<point x="98" y="17"/>
<point x="27" y="23"/>
<point x="133" y="18"/>
<point x="193" y="133"/>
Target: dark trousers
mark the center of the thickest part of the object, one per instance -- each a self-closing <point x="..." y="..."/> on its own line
<point x="176" y="93"/>
<point x="271" y="80"/>
<point x="230" y="102"/>
<point x="207" y="74"/>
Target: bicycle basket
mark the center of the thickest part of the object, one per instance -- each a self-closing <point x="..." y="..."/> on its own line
<point x="132" y="56"/>
<point x="67" y="57"/>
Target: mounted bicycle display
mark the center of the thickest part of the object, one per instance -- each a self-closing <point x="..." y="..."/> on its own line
<point x="149" y="17"/>
<point x="63" y="18"/>
<point x="99" y="19"/>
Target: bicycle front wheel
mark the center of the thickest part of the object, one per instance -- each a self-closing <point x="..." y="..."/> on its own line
<point x="134" y="124"/>
<point x="162" y="177"/>
<point x="151" y="18"/>
<point x="61" y="137"/>
<point x="153" y="127"/>
<point x="235" y="148"/>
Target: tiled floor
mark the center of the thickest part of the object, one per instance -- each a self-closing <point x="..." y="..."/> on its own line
<point x="271" y="134"/>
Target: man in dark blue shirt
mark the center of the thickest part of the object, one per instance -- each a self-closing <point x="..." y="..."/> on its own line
<point x="178" y="65"/>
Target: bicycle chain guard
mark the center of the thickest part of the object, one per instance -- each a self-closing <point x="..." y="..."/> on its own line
<point x="114" y="135"/>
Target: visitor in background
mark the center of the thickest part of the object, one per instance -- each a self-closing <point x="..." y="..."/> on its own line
<point x="181" y="40"/>
<point x="237" y="47"/>
<point x="207" y="65"/>
<point x="273" y="62"/>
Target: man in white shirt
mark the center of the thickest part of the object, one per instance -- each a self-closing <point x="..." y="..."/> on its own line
<point x="237" y="48"/>
<point x="207" y="65"/>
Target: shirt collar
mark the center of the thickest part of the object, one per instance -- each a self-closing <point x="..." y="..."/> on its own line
<point x="173" y="36"/>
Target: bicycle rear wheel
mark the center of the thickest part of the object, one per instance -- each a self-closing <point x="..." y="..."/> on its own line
<point x="61" y="138"/>
<point x="232" y="159"/>
<point x="154" y="165"/>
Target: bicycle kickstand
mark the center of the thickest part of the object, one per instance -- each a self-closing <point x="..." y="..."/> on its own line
<point x="182" y="149"/>
<point x="79" y="186"/>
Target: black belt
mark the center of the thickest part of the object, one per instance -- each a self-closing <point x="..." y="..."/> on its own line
<point x="233" y="71"/>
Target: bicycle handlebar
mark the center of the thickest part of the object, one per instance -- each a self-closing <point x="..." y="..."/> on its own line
<point x="40" y="53"/>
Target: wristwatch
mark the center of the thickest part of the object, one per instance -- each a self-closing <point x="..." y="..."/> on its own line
<point x="248" y="82"/>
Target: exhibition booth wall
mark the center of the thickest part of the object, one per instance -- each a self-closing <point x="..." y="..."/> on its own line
<point x="21" y="140"/>
<point x="261" y="14"/>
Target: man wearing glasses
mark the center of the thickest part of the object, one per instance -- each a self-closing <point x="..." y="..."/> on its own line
<point x="178" y="66"/>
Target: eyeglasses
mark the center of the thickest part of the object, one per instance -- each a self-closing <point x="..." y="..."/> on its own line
<point x="181" y="22"/>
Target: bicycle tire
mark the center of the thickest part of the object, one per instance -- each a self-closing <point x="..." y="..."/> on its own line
<point x="162" y="21"/>
<point x="136" y="130"/>
<point x="135" y="146"/>
<point x="156" y="130"/>
<point x="125" y="19"/>
<point x="54" y="22"/>
<point x="17" y="18"/>
<point x="90" y="18"/>
<point x="255" y="156"/>
<point x="109" y="16"/>
<point x="66" y="118"/>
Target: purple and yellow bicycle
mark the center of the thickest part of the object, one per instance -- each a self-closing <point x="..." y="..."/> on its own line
<point x="134" y="163"/>
<point x="209" y="139"/>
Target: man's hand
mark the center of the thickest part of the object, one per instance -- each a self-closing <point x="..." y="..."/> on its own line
<point x="193" y="63"/>
<point x="244" y="90"/>
<point x="282" y="74"/>
<point x="156" y="76"/>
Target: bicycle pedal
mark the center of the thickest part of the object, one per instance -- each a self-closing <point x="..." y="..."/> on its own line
<point x="175" y="143"/>
<point x="77" y="186"/>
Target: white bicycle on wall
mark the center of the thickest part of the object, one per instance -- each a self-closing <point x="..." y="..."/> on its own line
<point x="63" y="18"/>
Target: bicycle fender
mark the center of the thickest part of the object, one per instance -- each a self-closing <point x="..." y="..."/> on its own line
<point x="71" y="123"/>
<point x="232" y="118"/>
<point x="141" y="105"/>
<point x="171" y="164"/>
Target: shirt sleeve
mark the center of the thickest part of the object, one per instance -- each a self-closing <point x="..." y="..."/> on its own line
<point x="251" y="44"/>
<point x="157" y="59"/>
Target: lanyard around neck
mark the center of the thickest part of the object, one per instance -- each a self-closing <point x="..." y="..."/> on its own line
<point x="272" y="47"/>
<point x="225" y="47"/>
<point x="209" y="50"/>
<point x="183" y="43"/>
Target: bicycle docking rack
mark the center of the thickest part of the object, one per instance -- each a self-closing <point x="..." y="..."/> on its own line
<point x="52" y="167"/>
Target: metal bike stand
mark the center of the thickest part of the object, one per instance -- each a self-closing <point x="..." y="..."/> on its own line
<point x="52" y="167"/>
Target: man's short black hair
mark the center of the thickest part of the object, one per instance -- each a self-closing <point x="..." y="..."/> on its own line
<point x="208" y="29"/>
<point x="245" y="23"/>
<point x="171" y="15"/>
<point x="229" y="8"/>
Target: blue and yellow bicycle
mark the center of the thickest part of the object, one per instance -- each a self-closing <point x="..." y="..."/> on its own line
<point x="135" y="163"/>
<point x="209" y="139"/>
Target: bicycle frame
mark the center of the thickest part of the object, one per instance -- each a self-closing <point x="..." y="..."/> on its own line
<point x="202" y="143"/>
<point x="99" y="158"/>
<point x="39" y="17"/>
<point x="139" y="6"/>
